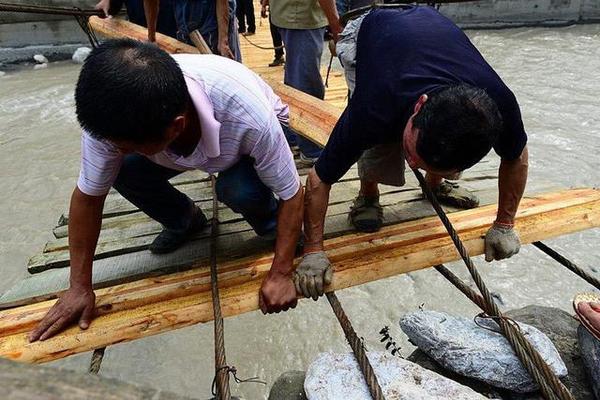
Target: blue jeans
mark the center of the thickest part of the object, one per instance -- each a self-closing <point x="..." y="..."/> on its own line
<point x="146" y="185"/>
<point x="302" y="71"/>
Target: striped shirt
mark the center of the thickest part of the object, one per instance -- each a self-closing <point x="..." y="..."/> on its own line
<point x="239" y="115"/>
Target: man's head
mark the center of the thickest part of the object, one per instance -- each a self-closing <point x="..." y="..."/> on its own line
<point x="451" y="130"/>
<point x="132" y="94"/>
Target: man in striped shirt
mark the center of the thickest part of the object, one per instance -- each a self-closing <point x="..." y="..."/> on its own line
<point x="148" y="116"/>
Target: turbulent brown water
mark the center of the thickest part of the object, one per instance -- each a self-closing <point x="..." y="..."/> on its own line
<point x="555" y="75"/>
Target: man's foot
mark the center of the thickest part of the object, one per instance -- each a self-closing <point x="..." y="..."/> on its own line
<point x="277" y="61"/>
<point x="366" y="214"/>
<point x="170" y="240"/>
<point x="249" y="33"/>
<point x="450" y="194"/>
<point x="307" y="161"/>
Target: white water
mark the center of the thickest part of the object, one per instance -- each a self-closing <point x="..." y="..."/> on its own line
<point x="555" y="75"/>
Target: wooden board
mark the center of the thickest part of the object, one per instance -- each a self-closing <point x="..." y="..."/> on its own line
<point x="151" y="306"/>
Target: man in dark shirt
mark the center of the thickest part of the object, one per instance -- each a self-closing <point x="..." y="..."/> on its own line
<point x="423" y="93"/>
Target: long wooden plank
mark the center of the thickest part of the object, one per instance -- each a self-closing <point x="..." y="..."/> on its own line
<point x="156" y="305"/>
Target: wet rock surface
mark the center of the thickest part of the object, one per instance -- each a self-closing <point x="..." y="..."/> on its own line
<point x="337" y="377"/>
<point x="464" y="347"/>
<point x="590" y="352"/>
<point x="289" y="386"/>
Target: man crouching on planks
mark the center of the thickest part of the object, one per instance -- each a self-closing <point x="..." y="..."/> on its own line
<point x="147" y="117"/>
<point x="420" y="92"/>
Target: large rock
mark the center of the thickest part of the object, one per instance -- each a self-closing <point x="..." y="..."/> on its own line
<point x="81" y="54"/>
<point x="462" y="346"/>
<point x="561" y="328"/>
<point x="338" y="377"/>
<point x="289" y="386"/>
<point x="590" y="352"/>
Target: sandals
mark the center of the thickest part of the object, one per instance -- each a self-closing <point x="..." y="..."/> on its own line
<point x="587" y="298"/>
<point x="366" y="214"/>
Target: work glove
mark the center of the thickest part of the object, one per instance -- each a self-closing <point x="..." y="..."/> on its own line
<point x="501" y="241"/>
<point x="313" y="274"/>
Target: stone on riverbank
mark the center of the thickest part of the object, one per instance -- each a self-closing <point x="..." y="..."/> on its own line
<point x="460" y="345"/>
<point x="40" y="66"/>
<point x="590" y="352"/>
<point x="337" y="377"/>
<point x="289" y="386"/>
<point x="81" y="54"/>
<point x="40" y="59"/>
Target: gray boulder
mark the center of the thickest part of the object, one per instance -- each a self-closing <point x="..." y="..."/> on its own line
<point x="590" y="352"/>
<point x="462" y="346"/>
<point x="561" y="328"/>
<point x="40" y="59"/>
<point x="337" y="377"/>
<point x="81" y="54"/>
<point x="289" y="386"/>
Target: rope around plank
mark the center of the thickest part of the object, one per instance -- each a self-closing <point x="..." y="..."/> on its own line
<point x="550" y="385"/>
<point x="221" y="367"/>
<point x="357" y="347"/>
<point x="96" y="362"/>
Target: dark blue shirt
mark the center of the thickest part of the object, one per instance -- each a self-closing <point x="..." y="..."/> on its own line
<point x="402" y="54"/>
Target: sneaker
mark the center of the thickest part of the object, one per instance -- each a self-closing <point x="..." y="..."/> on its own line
<point x="170" y="240"/>
<point x="451" y="194"/>
<point x="307" y="161"/>
<point x="366" y="214"/>
<point x="277" y="61"/>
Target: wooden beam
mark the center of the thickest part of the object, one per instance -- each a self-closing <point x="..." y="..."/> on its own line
<point x="154" y="305"/>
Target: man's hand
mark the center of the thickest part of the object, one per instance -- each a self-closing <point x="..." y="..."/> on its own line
<point x="224" y="48"/>
<point x="277" y="293"/>
<point x="335" y="28"/>
<point x="313" y="274"/>
<point x="75" y="304"/>
<point x="501" y="241"/>
<point x="103" y="5"/>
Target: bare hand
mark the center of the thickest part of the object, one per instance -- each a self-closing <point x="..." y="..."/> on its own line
<point x="224" y="49"/>
<point x="335" y="28"/>
<point x="74" y="305"/>
<point x="277" y="293"/>
<point x="103" y="5"/>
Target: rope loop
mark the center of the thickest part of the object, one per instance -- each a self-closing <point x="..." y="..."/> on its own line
<point x="233" y="371"/>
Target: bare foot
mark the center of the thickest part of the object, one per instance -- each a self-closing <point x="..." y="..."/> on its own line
<point x="591" y="311"/>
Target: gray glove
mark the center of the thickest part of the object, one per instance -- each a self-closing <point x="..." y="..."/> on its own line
<point x="313" y="274"/>
<point x="501" y="242"/>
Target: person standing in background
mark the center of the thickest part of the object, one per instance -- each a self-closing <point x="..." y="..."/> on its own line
<point x="302" y="24"/>
<point x="135" y="14"/>
<point x="245" y="16"/>
<point x="215" y="20"/>
<point x="275" y="36"/>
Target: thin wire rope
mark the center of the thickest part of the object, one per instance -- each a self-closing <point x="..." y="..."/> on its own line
<point x="568" y="264"/>
<point x="357" y="346"/>
<point x="48" y="10"/>
<point x="549" y="384"/>
<point x="96" y="361"/>
<point x="262" y="47"/>
<point x="221" y="367"/>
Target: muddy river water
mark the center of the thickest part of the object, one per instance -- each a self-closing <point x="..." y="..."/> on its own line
<point x="555" y="74"/>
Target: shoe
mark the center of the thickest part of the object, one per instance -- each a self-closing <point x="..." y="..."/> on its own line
<point x="277" y="61"/>
<point x="307" y="161"/>
<point x="366" y="214"/>
<point x="170" y="240"/>
<point x="450" y="194"/>
<point x="249" y="33"/>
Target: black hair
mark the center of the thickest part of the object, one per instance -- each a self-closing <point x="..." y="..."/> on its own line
<point x="129" y="90"/>
<point x="457" y="127"/>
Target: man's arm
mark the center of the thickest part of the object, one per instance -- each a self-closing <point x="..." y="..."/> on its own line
<point x="78" y="302"/>
<point x="330" y="10"/>
<point x="501" y="241"/>
<point x="316" y="201"/>
<point x="151" y="12"/>
<point x="278" y="292"/>
<point x="223" y="29"/>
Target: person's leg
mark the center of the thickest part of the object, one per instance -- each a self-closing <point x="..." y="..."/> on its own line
<point x="249" y="11"/>
<point x="304" y="48"/>
<point x="277" y="43"/>
<point x="239" y="12"/>
<point x="240" y="188"/>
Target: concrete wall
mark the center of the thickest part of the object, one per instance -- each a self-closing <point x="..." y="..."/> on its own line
<point x="511" y="13"/>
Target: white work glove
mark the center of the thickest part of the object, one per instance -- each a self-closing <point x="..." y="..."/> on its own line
<point x="313" y="274"/>
<point x="501" y="241"/>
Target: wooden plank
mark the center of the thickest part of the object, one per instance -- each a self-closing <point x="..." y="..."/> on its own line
<point x="156" y="305"/>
